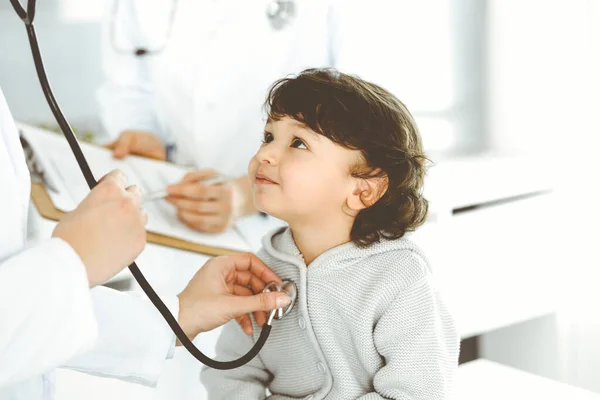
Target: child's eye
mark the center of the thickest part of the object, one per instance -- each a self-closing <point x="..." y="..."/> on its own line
<point x="299" y="144"/>
<point x="268" y="137"/>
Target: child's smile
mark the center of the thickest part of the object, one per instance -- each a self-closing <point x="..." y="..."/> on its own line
<point x="300" y="174"/>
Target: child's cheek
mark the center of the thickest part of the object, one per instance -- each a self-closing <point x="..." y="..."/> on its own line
<point x="307" y="184"/>
<point x="252" y="167"/>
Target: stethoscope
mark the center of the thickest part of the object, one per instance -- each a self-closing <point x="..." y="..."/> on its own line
<point x="287" y="286"/>
<point x="279" y="13"/>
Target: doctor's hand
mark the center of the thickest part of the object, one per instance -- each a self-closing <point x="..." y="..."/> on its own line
<point x="140" y="143"/>
<point x="107" y="229"/>
<point x="210" y="208"/>
<point x="223" y="289"/>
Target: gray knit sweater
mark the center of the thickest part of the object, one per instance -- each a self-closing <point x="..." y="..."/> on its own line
<point x="367" y="324"/>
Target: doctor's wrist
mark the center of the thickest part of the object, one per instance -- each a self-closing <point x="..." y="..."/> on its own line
<point x="187" y="319"/>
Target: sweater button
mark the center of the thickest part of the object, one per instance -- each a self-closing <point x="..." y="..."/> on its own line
<point x="301" y="323"/>
<point x="321" y="367"/>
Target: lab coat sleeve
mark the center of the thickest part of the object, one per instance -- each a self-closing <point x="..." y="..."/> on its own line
<point x="248" y="382"/>
<point x="126" y="98"/>
<point x="46" y="313"/>
<point x="419" y="343"/>
<point x="133" y="338"/>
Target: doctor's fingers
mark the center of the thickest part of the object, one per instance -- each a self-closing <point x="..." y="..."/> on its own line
<point x="202" y="206"/>
<point x="244" y="320"/>
<point x="111" y="187"/>
<point x="128" y="200"/>
<point x="259" y="316"/>
<point x="196" y="191"/>
<point x="122" y="145"/>
<point x="203" y="223"/>
<point x="245" y="323"/>
<point x="116" y="176"/>
<point x="196" y="176"/>
<point x="249" y="279"/>
<point x="248" y="262"/>
<point x="137" y="197"/>
<point x="248" y="284"/>
<point x="246" y="279"/>
<point x="240" y="305"/>
<point x="136" y="194"/>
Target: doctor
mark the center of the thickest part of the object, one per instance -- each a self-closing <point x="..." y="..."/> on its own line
<point x="48" y="314"/>
<point x="202" y="83"/>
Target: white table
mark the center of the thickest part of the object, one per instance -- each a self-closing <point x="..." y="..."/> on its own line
<point x="483" y="379"/>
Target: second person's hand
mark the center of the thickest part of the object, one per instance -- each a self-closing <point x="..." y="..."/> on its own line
<point x="224" y="289"/>
<point x="107" y="229"/>
<point x="140" y="143"/>
<point x="210" y="208"/>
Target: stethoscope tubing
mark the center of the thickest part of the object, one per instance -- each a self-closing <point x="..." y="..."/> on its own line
<point x="28" y="17"/>
<point x="278" y="18"/>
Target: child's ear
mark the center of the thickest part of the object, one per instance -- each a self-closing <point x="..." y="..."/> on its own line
<point x="367" y="191"/>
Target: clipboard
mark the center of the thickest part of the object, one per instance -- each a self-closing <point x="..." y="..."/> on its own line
<point x="44" y="205"/>
<point x="43" y="200"/>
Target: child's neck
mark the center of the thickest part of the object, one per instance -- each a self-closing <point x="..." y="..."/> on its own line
<point x="314" y="239"/>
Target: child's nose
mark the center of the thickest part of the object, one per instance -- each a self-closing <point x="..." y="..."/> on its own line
<point x="268" y="155"/>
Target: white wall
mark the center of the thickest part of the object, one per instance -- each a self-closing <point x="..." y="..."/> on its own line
<point x="543" y="68"/>
<point x="535" y="67"/>
<point x="581" y="313"/>
<point x="70" y="45"/>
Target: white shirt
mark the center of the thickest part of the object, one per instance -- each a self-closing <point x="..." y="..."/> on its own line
<point x="48" y="315"/>
<point x="205" y="90"/>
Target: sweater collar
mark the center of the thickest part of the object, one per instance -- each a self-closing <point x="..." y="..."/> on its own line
<point x="280" y="245"/>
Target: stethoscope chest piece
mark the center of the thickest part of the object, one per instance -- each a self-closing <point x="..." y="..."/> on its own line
<point x="289" y="288"/>
<point x="280" y="13"/>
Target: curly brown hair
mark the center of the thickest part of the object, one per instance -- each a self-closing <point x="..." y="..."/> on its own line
<point x="360" y="115"/>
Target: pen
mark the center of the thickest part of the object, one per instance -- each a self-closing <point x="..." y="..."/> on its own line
<point x="161" y="194"/>
<point x="215" y="180"/>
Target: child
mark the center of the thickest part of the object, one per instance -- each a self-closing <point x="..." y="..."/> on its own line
<point x="342" y="163"/>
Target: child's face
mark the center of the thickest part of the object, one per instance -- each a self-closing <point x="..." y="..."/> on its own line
<point x="299" y="175"/>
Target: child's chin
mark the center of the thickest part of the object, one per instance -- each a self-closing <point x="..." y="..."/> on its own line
<point x="267" y="207"/>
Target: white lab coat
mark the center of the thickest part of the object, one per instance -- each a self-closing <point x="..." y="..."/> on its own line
<point x="205" y="91"/>
<point x="48" y="315"/>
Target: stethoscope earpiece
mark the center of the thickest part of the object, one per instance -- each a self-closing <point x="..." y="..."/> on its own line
<point x="280" y="13"/>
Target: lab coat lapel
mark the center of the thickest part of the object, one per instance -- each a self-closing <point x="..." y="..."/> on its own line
<point x="14" y="178"/>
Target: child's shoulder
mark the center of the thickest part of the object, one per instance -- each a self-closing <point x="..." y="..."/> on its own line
<point x="392" y="267"/>
<point x="397" y="262"/>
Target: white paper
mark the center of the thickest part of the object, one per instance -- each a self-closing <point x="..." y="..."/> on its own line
<point x="60" y="167"/>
